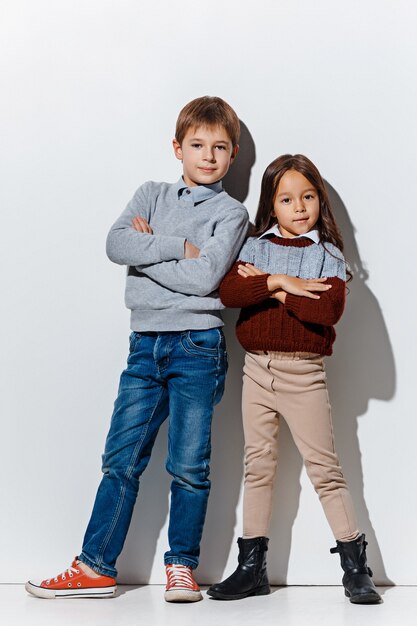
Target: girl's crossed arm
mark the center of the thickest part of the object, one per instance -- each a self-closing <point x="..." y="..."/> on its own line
<point x="296" y="294"/>
<point x="281" y="284"/>
<point x="245" y="285"/>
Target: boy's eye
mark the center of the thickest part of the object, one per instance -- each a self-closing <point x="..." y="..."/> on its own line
<point x="221" y="147"/>
<point x="196" y="145"/>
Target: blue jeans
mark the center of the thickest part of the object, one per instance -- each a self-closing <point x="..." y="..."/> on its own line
<point x="179" y="375"/>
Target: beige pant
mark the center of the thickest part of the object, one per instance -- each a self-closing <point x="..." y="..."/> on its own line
<point x="291" y="385"/>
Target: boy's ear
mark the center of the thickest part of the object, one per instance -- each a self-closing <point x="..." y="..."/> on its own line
<point x="177" y="149"/>
<point x="234" y="153"/>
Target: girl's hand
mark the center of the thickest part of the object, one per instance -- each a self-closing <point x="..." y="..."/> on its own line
<point x="279" y="295"/>
<point x="249" y="270"/>
<point x="141" y="225"/>
<point x="296" y="286"/>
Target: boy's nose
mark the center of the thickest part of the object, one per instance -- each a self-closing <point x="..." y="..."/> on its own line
<point x="209" y="155"/>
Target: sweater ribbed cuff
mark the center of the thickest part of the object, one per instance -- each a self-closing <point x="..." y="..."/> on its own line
<point x="293" y="303"/>
<point x="259" y="287"/>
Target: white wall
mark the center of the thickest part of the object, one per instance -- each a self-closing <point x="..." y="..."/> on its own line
<point x="91" y="91"/>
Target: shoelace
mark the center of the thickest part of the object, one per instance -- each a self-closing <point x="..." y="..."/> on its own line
<point x="179" y="576"/>
<point x="68" y="572"/>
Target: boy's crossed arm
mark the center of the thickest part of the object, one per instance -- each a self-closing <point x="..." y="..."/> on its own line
<point x="141" y="226"/>
<point x="200" y="274"/>
<point x="126" y="246"/>
<point x="170" y="260"/>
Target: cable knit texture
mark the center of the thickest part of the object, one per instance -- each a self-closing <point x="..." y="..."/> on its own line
<point x="301" y="324"/>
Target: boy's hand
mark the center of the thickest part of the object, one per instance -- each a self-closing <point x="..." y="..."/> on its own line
<point x="191" y="251"/>
<point x="141" y="225"/>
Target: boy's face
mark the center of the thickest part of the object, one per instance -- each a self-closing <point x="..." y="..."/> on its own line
<point x="206" y="154"/>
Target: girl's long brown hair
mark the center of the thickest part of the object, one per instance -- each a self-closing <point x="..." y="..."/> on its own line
<point x="326" y="224"/>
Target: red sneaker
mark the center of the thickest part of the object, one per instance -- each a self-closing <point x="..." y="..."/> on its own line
<point x="73" y="583"/>
<point x="181" y="586"/>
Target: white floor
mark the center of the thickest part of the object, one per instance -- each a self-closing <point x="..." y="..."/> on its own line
<point x="286" y="606"/>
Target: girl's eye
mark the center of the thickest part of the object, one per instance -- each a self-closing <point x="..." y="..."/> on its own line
<point x="285" y="200"/>
<point x="309" y="196"/>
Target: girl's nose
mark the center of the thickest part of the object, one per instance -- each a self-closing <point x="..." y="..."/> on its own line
<point x="299" y="206"/>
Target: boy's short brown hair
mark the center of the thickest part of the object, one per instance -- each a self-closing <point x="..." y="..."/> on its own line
<point x="208" y="111"/>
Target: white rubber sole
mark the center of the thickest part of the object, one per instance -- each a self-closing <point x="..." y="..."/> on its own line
<point x="51" y="594"/>
<point x="182" y="595"/>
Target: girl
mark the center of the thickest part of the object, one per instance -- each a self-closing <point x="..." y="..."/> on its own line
<point x="290" y="282"/>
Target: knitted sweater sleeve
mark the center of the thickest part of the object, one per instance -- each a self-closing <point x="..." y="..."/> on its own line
<point x="326" y="311"/>
<point x="126" y="246"/>
<point x="237" y="291"/>
<point x="202" y="276"/>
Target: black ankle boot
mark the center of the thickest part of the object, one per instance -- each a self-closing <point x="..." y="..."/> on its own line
<point x="250" y="577"/>
<point x="357" y="581"/>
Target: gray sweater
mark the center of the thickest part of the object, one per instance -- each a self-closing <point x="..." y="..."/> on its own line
<point x="165" y="291"/>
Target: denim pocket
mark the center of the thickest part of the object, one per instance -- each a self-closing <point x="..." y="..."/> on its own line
<point x="203" y="342"/>
<point x="134" y="337"/>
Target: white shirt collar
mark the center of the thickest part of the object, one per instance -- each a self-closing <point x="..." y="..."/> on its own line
<point x="274" y="230"/>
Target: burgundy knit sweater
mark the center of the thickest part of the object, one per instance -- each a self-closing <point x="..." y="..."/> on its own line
<point x="301" y="324"/>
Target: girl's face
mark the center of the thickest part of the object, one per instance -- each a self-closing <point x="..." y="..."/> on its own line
<point x="296" y="204"/>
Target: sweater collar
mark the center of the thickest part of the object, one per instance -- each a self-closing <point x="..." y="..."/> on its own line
<point x="197" y="194"/>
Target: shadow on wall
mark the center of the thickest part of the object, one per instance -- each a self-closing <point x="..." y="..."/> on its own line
<point x="236" y="181"/>
<point x="150" y="515"/>
<point x="361" y="369"/>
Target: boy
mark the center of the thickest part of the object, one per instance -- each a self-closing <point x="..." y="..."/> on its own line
<point x="178" y="240"/>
